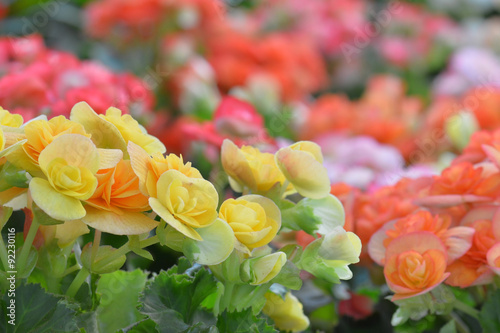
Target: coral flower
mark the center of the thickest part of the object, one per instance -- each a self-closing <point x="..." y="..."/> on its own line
<point x="117" y="203"/>
<point x="457" y="240"/>
<point x="472" y="268"/>
<point x="415" y="264"/>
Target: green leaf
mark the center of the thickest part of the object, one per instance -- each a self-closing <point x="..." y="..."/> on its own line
<point x="11" y="176"/>
<point x="42" y="217"/>
<point x="119" y="296"/>
<point x="37" y="311"/>
<point x="315" y="215"/>
<point x="134" y="245"/>
<point x="243" y="322"/>
<point x="289" y="276"/>
<point x="489" y="317"/>
<point x="300" y="218"/>
<point x="5" y="213"/>
<point x="450" y="327"/>
<point x="173" y="298"/>
<point x="145" y="326"/>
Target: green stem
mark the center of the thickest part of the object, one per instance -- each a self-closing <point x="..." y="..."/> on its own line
<point x="283" y="189"/>
<point x="3" y="254"/>
<point x="148" y="242"/>
<point x="226" y="297"/>
<point x="71" y="269"/>
<point x="461" y="326"/>
<point x="95" y="245"/>
<point x="459" y="305"/>
<point x="25" y="250"/>
<point x="124" y="249"/>
<point x="77" y="282"/>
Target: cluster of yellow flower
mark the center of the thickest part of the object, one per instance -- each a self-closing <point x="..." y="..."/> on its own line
<point x="107" y="173"/>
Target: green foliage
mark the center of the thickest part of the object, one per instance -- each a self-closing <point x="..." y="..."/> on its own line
<point x="119" y="299"/>
<point x="173" y="298"/>
<point x="37" y="311"/>
<point x="243" y="322"/>
<point x="489" y="317"/>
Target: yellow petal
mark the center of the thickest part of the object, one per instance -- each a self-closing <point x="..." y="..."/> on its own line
<point x="104" y="134"/>
<point x="140" y="161"/>
<point x="163" y="212"/>
<point x="69" y="231"/>
<point x="75" y="149"/>
<point x="236" y="165"/>
<point x="109" y="158"/>
<point x="308" y="176"/>
<point x="56" y="205"/>
<point x="130" y="223"/>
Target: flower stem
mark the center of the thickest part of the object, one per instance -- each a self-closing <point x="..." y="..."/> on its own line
<point x="77" y="282"/>
<point x="3" y="254"/>
<point x="148" y="242"/>
<point x="25" y="250"/>
<point x="226" y="297"/>
<point x="124" y="249"/>
<point x="95" y="245"/>
<point x="71" y="269"/>
<point x="461" y="306"/>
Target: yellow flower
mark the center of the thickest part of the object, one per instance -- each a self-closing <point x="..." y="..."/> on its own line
<point x="9" y="119"/>
<point x="2" y="140"/>
<point x="150" y="168"/>
<point x="69" y="163"/>
<point x="301" y="163"/>
<point x="114" y="130"/>
<point x="185" y="203"/>
<point x="288" y="313"/>
<point x="249" y="167"/>
<point x="254" y="219"/>
<point x="39" y="134"/>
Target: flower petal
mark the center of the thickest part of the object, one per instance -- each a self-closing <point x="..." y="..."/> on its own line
<point x="163" y="212"/>
<point x="56" y="205"/>
<point x="129" y="223"/>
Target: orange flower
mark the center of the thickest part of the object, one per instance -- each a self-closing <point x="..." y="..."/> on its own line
<point x="472" y="268"/>
<point x="117" y="203"/>
<point x="415" y="264"/>
<point x="464" y="179"/>
<point x="329" y="113"/>
<point x="457" y="240"/>
<point x="485" y="106"/>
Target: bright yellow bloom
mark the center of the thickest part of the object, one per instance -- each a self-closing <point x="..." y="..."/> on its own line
<point x="185" y="203"/>
<point x="249" y="167"/>
<point x="288" y="313"/>
<point x="69" y="163"/>
<point x="254" y="219"/>
<point x="39" y="134"/>
<point x="301" y="163"/>
<point x="114" y="130"/>
<point x="150" y="168"/>
<point x="9" y="119"/>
